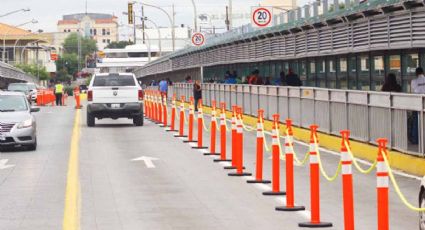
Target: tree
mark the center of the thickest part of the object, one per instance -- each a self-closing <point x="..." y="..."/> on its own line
<point x="119" y="45"/>
<point x="69" y="63"/>
<point x="34" y="70"/>
<point x="88" y="45"/>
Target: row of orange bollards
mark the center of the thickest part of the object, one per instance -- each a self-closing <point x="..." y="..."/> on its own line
<point x="45" y="97"/>
<point x="156" y="111"/>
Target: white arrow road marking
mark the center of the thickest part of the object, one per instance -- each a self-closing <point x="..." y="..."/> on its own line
<point x="148" y="161"/>
<point x="4" y="165"/>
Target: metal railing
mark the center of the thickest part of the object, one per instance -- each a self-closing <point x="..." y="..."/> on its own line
<point x="369" y="115"/>
<point x="11" y="73"/>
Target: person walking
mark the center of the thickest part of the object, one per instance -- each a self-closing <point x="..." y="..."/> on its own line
<point x="197" y="93"/>
<point x="163" y="88"/>
<point x="418" y="87"/>
<point x="292" y="79"/>
<point x="59" y="93"/>
<point x="390" y="84"/>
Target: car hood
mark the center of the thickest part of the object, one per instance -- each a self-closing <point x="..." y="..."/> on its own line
<point x="14" y="117"/>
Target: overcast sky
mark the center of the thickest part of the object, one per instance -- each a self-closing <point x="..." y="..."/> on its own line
<point x="48" y="12"/>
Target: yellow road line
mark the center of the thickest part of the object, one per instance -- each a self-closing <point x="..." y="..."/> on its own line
<point x="71" y="217"/>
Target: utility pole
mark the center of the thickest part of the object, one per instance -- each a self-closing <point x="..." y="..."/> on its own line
<point x="173" y="31"/>
<point x="230" y="18"/>
<point x="143" y="24"/>
<point x="227" y="19"/>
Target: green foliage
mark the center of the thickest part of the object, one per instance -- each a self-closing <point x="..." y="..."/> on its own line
<point x="88" y="80"/>
<point x="88" y="45"/>
<point x="119" y="45"/>
<point x="68" y="62"/>
<point x="332" y="7"/>
<point x="69" y="90"/>
<point x="34" y="70"/>
<point x="63" y="76"/>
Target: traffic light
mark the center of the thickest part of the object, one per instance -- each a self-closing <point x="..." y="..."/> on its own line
<point x="130" y="13"/>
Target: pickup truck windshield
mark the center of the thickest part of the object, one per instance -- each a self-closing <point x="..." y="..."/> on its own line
<point x="114" y="80"/>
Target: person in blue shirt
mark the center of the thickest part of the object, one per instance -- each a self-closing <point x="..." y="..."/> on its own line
<point x="163" y="87"/>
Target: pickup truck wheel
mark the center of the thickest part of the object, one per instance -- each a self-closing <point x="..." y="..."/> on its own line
<point x="138" y="121"/>
<point x="90" y="120"/>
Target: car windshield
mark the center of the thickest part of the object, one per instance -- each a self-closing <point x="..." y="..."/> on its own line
<point x="11" y="103"/>
<point x="114" y="80"/>
<point x="18" y="87"/>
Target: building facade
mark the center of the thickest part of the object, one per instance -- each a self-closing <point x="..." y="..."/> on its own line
<point x="101" y="27"/>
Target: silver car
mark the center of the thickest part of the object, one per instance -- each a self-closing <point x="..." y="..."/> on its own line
<point x="17" y="124"/>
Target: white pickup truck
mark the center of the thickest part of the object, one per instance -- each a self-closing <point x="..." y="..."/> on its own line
<point x="114" y="95"/>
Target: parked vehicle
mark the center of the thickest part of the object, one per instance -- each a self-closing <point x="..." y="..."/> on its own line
<point x="29" y="89"/>
<point x="114" y="95"/>
<point x="17" y="123"/>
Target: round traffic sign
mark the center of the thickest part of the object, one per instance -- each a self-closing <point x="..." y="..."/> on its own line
<point x="262" y="17"/>
<point x="198" y="39"/>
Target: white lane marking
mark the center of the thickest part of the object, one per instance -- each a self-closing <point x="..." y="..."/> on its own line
<point x="4" y="165"/>
<point x="148" y="161"/>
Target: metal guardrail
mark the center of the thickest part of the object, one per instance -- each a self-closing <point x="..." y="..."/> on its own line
<point x="9" y="72"/>
<point x="369" y="115"/>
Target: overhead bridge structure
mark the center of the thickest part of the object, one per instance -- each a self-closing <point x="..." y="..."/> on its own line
<point x="10" y="74"/>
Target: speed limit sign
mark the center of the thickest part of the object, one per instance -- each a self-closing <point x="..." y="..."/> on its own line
<point x="198" y="39"/>
<point x="262" y="16"/>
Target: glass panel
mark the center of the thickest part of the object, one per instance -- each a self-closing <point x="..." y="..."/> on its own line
<point x="378" y="72"/>
<point x="311" y="76"/>
<point x="409" y="65"/>
<point x="303" y="71"/>
<point x="352" y="73"/>
<point x="321" y="74"/>
<point x="342" y="73"/>
<point x="331" y="73"/>
<point x="395" y="66"/>
<point x="364" y="73"/>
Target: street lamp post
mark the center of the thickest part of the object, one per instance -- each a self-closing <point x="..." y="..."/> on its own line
<point x="7" y="32"/>
<point x="195" y="17"/>
<point x="15" y="11"/>
<point x="171" y="19"/>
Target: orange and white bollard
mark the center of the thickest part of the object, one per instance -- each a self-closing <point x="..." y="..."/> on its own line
<point x="182" y="114"/>
<point x="213" y="132"/>
<point x="223" y="136"/>
<point x="289" y="159"/>
<point x="159" y="106"/>
<point x="314" y="184"/>
<point x="200" y="127"/>
<point x="164" y="111"/>
<point x="191" y="122"/>
<point x="275" y="160"/>
<point x="233" y="138"/>
<point x="347" y="182"/>
<point x="239" y="146"/>
<point x="173" y="115"/>
<point x="260" y="151"/>
<point x="382" y="186"/>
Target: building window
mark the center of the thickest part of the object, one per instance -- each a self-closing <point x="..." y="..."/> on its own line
<point x="331" y="80"/>
<point x="342" y="73"/>
<point x="352" y="73"/>
<point x="311" y="76"/>
<point x="108" y="41"/>
<point x="91" y="32"/>
<point x="378" y="72"/>
<point x="409" y="64"/>
<point x="104" y="41"/>
<point x="364" y="73"/>
<point x="64" y="30"/>
<point x="103" y="32"/>
<point x="94" y="32"/>
<point x="108" y="32"/>
<point x="395" y="67"/>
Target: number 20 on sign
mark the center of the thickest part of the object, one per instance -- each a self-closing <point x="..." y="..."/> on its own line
<point x="261" y="16"/>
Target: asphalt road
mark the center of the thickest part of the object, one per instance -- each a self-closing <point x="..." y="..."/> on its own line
<point x="181" y="190"/>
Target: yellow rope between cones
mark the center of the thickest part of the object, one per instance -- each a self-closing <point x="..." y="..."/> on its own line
<point x="325" y="175"/>
<point x="355" y="162"/>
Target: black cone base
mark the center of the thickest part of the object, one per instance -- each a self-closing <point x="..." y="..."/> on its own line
<point x="240" y="174"/>
<point x="290" y="209"/>
<point x="171" y="130"/>
<point x="202" y="147"/>
<point x="271" y="193"/>
<point x="180" y="136"/>
<point x="187" y="141"/>
<point x="258" y="182"/>
<point x="315" y="225"/>
<point x="211" y="154"/>
<point x="221" y="160"/>
<point x="231" y="167"/>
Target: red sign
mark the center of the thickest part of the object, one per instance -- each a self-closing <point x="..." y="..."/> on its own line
<point x="54" y="57"/>
<point x="198" y="39"/>
<point x="262" y="16"/>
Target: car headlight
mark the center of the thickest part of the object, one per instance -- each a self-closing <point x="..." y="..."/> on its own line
<point x="25" y="124"/>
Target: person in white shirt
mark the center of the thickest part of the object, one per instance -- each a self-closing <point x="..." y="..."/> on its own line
<point x="418" y="87"/>
<point x="418" y="84"/>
